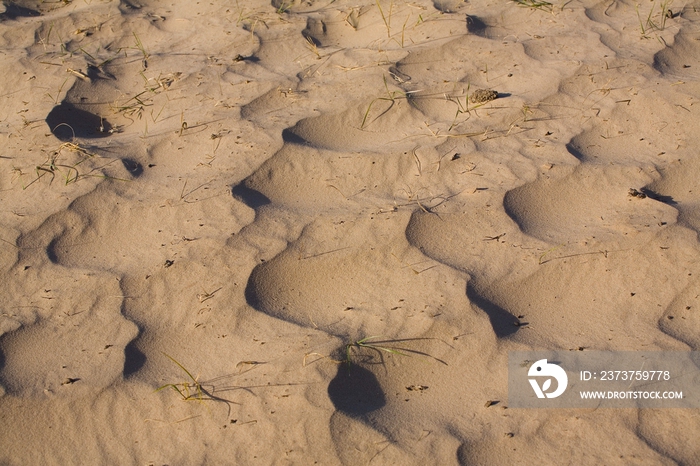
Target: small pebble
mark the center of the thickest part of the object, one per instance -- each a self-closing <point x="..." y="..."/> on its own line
<point x="481" y="96"/>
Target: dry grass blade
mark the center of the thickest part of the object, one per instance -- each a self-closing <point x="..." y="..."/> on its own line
<point x="392" y="96"/>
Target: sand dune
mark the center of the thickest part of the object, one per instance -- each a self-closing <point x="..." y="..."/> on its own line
<point x="320" y="226"/>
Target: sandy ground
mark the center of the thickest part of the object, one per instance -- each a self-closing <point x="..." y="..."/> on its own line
<point x="218" y="197"/>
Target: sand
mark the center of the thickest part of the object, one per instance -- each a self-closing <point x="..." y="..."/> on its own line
<point x="219" y="197"/>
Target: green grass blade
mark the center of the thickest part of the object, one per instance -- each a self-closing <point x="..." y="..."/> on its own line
<point x="181" y="367"/>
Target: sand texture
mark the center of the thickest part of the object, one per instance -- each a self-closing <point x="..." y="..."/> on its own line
<point x="220" y="197"/>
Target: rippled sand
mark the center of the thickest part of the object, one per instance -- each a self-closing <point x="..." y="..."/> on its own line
<point x="220" y="197"/>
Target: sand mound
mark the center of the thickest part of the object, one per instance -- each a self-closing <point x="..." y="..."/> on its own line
<point x="590" y="203"/>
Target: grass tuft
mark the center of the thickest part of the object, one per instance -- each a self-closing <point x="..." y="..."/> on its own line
<point x="386" y="18"/>
<point x="52" y="167"/>
<point x="536" y="5"/>
<point x="194" y="390"/>
<point x="652" y="24"/>
<point x="353" y="351"/>
<point x="383" y="346"/>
